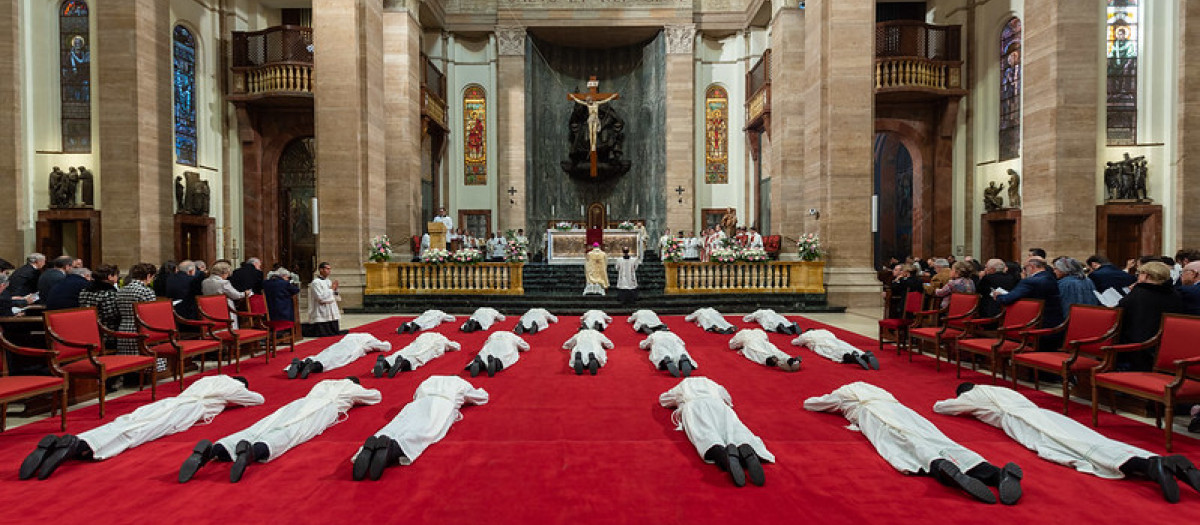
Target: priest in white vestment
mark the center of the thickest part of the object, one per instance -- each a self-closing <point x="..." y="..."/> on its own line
<point x="772" y="322"/>
<point x="646" y="322"/>
<point x="500" y="351"/>
<point x="827" y="345"/>
<point x="483" y="319"/>
<point x="711" y="321"/>
<point x="323" y="311"/>
<point x="534" y="321"/>
<point x="588" y="349"/>
<point x="668" y="352"/>
<point x="595" y="320"/>
<point x="704" y="411"/>
<point x="428" y="320"/>
<point x="754" y="345"/>
<point x="349" y="349"/>
<point x="425" y="348"/>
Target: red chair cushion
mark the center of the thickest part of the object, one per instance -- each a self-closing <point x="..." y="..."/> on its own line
<point x="243" y="334"/>
<point x="188" y="346"/>
<point x="113" y="364"/>
<point x="984" y="346"/>
<point x="894" y="324"/>
<point x="929" y="332"/>
<point x="14" y="386"/>
<point x="1053" y="361"/>
<point x="1151" y="383"/>
<point x="76" y="326"/>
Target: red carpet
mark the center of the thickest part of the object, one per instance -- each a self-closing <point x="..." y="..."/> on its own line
<point x="552" y="447"/>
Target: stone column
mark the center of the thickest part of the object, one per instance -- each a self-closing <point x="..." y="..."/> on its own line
<point x="135" y="113"/>
<point x="680" y="132"/>
<point x="348" y="108"/>
<point x="1060" y="125"/>
<point x="839" y="126"/>
<point x="1187" y="183"/>
<point x="510" y="127"/>
<point x="787" y="125"/>
<point x="12" y="168"/>
<point x="402" y="110"/>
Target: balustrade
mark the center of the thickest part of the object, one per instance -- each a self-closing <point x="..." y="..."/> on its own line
<point x="768" y="277"/>
<point x="442" y="279"/>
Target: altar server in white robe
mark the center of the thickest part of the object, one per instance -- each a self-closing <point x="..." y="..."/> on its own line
<point x="827" y="345"/>
<point x="772" y="322"/>
<point x="500" y="351"/>
<point x="588" y="349"/>
<point x="1063" y="440"/>
<point x="534" y="321"/>
<point x="711" y="321"/>
<point x="668" y="352"/>
<point x="704" y="411"/>
<point x="754" y="345"/>
<point x="595" y="320"/>
<point x="646" y="322"/>
<point x="912" y="445"/>
<point x="293" y="424"/>
<point x="423" y="422"/>
<point x="425" y="348"/>
<point x="482" y="319"/>
<point x="199" y="403"/>
<point x="428" y="320"/>
<point x="349" y="349"/>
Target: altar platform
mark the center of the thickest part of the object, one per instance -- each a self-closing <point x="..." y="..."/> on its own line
<point x="570" y="246"/>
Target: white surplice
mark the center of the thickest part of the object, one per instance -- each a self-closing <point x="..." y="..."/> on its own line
<point x="425" y="348"/>
<point x="767" y="319"/>
<point x="704" y="411"/>
<point x="348" y="349"/>
<point x="486" y="317"/>
<point x="591" y="317"/>
<point x="665" y="345"/>
<point x="430" y="319"/>
<point x="754" y="344"/>
<point x="587" y="342"/>
<point x="504" y="346"/>
<point x="825" y="344"/>
<point x="539" y="317"/>
<point x="708" y="318"/>
<point x="644" y="319"/>
<point x="427" y="419"/>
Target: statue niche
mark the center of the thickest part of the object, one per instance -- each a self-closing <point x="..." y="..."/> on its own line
<point x="1125" y="180"/>
<point x="191" y="194"/>
<point x="609" y="143"/>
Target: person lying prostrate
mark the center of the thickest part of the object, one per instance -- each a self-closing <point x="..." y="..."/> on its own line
<point x="754" y="345"/>
<point x="704" y="411"/>
<point x="500" y="351"/>
<point x="428" y="320"/>
<point x="482" y="319"/>
<point x="668" y="352"/>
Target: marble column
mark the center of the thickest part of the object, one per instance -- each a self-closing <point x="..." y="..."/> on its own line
<point x="787" y="125"/>
<point x="839" y="126"/>
<point x="402" y="110"/>
<point x="349" y="113"/>
<point x="1060" y="125"/>
<point x="12" y="169"/>
<point x="680" y="126"/>
<point x="510" y="127"/>
<point x="1187" y="183"/>
<point x="134" y="110"/>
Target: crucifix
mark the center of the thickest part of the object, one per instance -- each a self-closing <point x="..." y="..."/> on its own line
<point x="592" y="100"/>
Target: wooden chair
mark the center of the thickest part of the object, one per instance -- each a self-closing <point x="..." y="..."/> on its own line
<point x="157" y="321"/>
<point x="951" y="323"/>
<point x="1171" y="382"/>
<point x="76" y="335"/>
<point x="898" y="327"/>
<point x="258" y="305"/>
<point x="1088" y="329"/>
<point x="1015" y="318"/>
<point x="215" y="309"/>
<point x="16" y="388"/>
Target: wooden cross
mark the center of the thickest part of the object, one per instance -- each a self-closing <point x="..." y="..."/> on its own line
<point x="592" y="100"/>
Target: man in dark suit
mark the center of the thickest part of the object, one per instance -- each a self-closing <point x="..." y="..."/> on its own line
<point x="65" y="294"/>
<point x="248" y="276"/>
<point x="995" y="275"/>
<point x="179" y="288"/>
<point x="1104" y="275"/>
<point x="53" y="276"/>
<point x="1189" y="288"/>
<point x="1037" y="284"/>
<point x="24" y="280"/>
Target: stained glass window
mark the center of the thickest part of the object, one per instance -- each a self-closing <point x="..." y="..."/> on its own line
<point x="1010" y="90"/>
<point x="185" y="95"/>
<point x="475" y="129"/>
<point x="75" y="76"/>
<point x="716" y="135"/>
<point x="1122" y="57"/>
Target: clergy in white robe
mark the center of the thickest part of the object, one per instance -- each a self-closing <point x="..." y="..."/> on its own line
<point x="710" y="320"/>
<point x="350" y="348"/>
<point x="425" y="348"/>
<point x="827" y="345"/>
<point x="595" y="320"/>
<point x="772" y="322"/>
<point x="500" y="351"/>
<point x="483" y="319"/>
<point x="754" y="345"/>
<point x="646" y="321"/>
<point x="704" y="411"/>
<point x="668" y="352"/>
<point x="423" y="422"/>
<point x="323" y="311"/>
<point x="428" y="320"/>
<point x="913" y="445"/>
<point x="292" y="424"/>
<point x="595" y="270"/>
<point x="1063" y="440"/>
<point x="534" y="321"/>
<point x="588" y="349"/>
<point x="202" y="401"/>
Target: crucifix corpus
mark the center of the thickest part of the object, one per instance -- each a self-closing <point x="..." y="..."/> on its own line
<point x="592" y="100"/>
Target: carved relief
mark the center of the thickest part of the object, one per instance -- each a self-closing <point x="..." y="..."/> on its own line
<point x="510" y="40"/>
<point x="680" y="38"/>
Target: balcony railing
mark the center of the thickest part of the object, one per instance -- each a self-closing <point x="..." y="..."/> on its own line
<point x="276" y="60"/>
<point x="915" y="56"/>
<point x="767" y="277"/>
<point x="758" y="92"/>
<point x="439" y="279"/>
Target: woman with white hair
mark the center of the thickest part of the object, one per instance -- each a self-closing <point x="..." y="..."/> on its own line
<point x="1073" y="285"/>
<point x="217" y="283"/>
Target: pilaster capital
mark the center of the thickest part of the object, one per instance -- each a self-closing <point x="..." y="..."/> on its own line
<point x="680" y="38"/>
<point x="510" y="40"/>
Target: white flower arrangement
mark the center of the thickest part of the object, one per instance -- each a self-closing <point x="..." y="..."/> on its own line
<point x="381" y="249"/>
<point x="466" y="256"/>
<point x="809" y="247"/>
<point x="564" y="226"/>
<point x="516" y="251"/>
<point x="724" y="255"/>
<point x="754" y="255"/>
<point x="626" y="225"/>
<point x="435" y="256"/>
<point x="673" y="251"/>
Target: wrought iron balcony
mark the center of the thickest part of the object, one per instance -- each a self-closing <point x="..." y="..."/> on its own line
<point x="274" y="62"/>
<point x="917" y="59"/>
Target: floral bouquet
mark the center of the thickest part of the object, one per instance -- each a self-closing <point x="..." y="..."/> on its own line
<point x="466" y="256"/>
<point x="517" y="251"/>
<point x="381" y="249"/>
<point x="673" y="251"/>
<point x="809" y="247"/>
<point x="564" y="226"/>
<point x="724" y="255"/>
<point x="754" y="255"/>
<point x="627" y="226"/>
<point x="435" y="256"/>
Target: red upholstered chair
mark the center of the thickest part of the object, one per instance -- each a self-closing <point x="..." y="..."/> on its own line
<point x="258" y="305"/>
<point x="898" y="327"/>
<point x="1017" y="317"/>
<point x="16" y="388"/>
<point x="772" y="245"/>
<point x="1173" y="380"/>
<point x="75" y="335"/>
<point x="215" y="309"/>
<point x="156" y="320"/>
<point x="1088" y="329"/>
<point x="951" y="323"/>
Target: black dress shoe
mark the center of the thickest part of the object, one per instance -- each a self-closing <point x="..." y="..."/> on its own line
<point x="519" y="329"/>
<point x="399" y="365"/>
<point x="381" y="366"/>
<point x="1184" y="470"/>
<point x="68" y="447"/>
<point x="311" y="367"/>
<point x="686" y="366"/>
<point x="578" y="365"/>
<point x="593" y="364"/>
<point x="34" y="460"/>
<point x="1159" y="472"/>
<point x="493" y="365"/>
<point x="475" y="367"/>
<point x="672" y="368"/>
<point x="363" y="461"/>
<point x="734" y="460"/>
<point x="771" y="361"/>
<point x="244" y="455"/>
<point x="389" y="453"/>
<point x="293" y="370"/>
<point x="201" y="454"/>
<point x="872" y="361"/>
<point x="861" y="360"/>
<point x="753" y="464"/>
<point x="1009" y="486"/>
<point x="948" y="474"/>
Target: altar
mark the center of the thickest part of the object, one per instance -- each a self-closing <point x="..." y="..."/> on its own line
<point x="570" y="246"/>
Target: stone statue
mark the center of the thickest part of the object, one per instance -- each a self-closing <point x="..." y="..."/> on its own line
<point x="86" y="187"/>
<point x="57" y="181"/>
<point x="991" y="197"/>
<point x="1126" y="179"/>
<point x="595" y="127"/>
<point x="196" y="194"/>
<point x="179" y="195"/>
<point x="729" y="223"/>
<point x="200" y="201"/>
<point x="1014" y="189"/>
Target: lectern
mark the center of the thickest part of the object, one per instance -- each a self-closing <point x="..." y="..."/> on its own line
<point x="437" y="234"/>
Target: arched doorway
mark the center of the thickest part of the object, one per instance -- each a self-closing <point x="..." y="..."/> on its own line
<point x="894" y="198"/>
<point x="297" y="188"/>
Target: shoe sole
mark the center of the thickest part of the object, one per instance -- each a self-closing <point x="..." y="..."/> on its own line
<point x="362" y="463"/>
<point x="34" y="460"/>
<point x="241" y="460"/>
<point x="294" y="369"/>
<point x="736" y="472"/>
<point x="754" y="469"/>
<point x="1010" y="484"/>
<point x="193" y="463"/>
<point x="379" y="460"/>
<point x="64" y="446"/>
<point x="474" y="368"/>
<point x="380" y="368"/>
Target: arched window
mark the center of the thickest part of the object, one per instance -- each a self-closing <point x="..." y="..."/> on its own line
<point x="475" y="128"/>
<point x="716" y="135"/>
<point x="1122" y="57"/>
<point x="185" y="95"/>
<point x="75" y="76"/>
<point x="1010" y="90"/>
